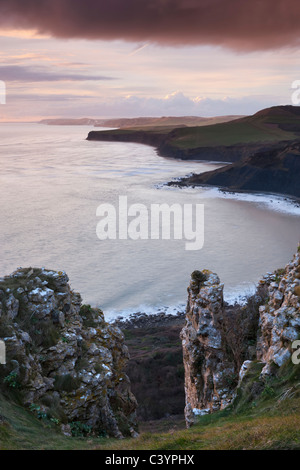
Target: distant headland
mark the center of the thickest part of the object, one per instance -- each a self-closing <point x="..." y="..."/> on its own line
<point x="264" y="149"/>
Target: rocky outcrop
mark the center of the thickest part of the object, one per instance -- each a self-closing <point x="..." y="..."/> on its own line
<point x="280" y="318"/>
<point x="65" y="362"/>
<point x="207" y="368"/>
<point x="274" y="169"/>
<point x="221" y="343"/>
<point x="263" y="149"/>
<point x="166" y="146"/>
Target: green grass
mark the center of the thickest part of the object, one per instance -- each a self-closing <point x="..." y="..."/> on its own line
<point x="271" y="421"/>
<point x="266" y="127"/>
<point x="231" y="133"/>
<point x="21" y="430"/>
<point x="265" y="415"/>
<point x="279" y="429"/>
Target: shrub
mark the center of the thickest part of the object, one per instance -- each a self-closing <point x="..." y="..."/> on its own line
<point x="11" y="380"/>
<point x="239" y="328"/>
<point x="268" y="392"/>
<point x="79" y="429"/>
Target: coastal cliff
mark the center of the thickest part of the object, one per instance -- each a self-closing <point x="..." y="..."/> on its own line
<point x="223" y="345"/>
<point x="263" y="150"/>
<point x="165" y="143"/>
<point x="66" y="364"/>
<point x="207" y="366"/>
<point x="275" y="170"/>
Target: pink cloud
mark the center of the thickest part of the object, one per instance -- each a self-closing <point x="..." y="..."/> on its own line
<point x="241" y="25"/>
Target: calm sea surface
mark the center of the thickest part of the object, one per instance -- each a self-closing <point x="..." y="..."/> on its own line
<point x="51" y="182"/>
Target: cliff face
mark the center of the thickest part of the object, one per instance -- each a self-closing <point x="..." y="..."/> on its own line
<point x="65" y="362"/>
<point x="280" y="318"/>
<point x="274" y="170"/>
<point x="207" y="367"/>
<point x="221" y="343"/>
<point x="163" y="142"/>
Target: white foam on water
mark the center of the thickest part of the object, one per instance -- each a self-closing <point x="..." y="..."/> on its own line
<point x="61" y="166"/>
<point x="238" y="294"/>
<point x="112" y="315"/>
<point x="272" y="202"/>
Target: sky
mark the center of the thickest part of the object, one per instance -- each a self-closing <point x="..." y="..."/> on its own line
<point x="130" y="58"/>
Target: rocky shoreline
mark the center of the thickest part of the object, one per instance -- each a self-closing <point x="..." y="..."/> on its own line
<point x="273" y="171"/>
<point x="144" y="320"/>
<point x="181" y="183"/>
<point x="73" y="369"/>
<point x="260" y="160"/>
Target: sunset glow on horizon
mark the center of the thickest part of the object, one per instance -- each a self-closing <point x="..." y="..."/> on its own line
<point x="63" y="68"/>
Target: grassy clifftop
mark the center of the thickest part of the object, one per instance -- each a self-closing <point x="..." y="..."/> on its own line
<point x="265" y="409"/>
<point x="227" y="141"/>
<point x="261" y="417"/>
<point x="269" y="422"/>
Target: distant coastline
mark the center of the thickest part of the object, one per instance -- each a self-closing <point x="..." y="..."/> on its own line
<point x="275" y="172"/>
<point x="145" y="122"/>
<point x="264" y="150"/>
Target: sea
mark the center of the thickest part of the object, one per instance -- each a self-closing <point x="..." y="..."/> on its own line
<point x="52" y="182"/>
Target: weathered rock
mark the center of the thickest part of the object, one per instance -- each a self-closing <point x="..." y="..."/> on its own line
<point x="64" y="358"/>
<point x="209" y="368"/>
<point x="280" y="318"/>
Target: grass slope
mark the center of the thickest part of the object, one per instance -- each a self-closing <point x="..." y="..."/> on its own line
<point x="167" y="122"/>
<point x="264" y="416"/>
<point x="22" y="430"/>
<point x="280" y="123"/>
<point x="272" y="125"/>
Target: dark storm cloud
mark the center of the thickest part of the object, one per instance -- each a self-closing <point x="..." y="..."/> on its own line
<point x="20" y="73"/>
<point x="239" y="24"/>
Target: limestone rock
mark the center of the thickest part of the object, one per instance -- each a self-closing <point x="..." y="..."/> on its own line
<point x="210" y="369"/>
<point x="207" y="368"/>
<point x="280" y="318"/>
<point x="65" y="360"/>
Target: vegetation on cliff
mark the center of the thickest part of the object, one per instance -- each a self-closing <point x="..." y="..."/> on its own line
<point x="256" y="406"/>
<point x="265" y="128"/>
<point x="274" y="171"/>
<point x="264" y="149"/>
<point x="64" y="363"/>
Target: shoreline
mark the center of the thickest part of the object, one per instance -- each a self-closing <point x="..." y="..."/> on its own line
<point x="144" y="320"/>
<point x="140" y="318"/>
<point x="163" y="145"/>
<point x="260" y="164"/>
<point x="223" y="192"/>
<point x="180" y="183"/>
<point x="172" y="154"/>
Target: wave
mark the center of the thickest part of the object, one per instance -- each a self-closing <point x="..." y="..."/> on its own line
<point x="112" y="315"/>
<point x="232" y="295"/>
<point x="274" y="202"/>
